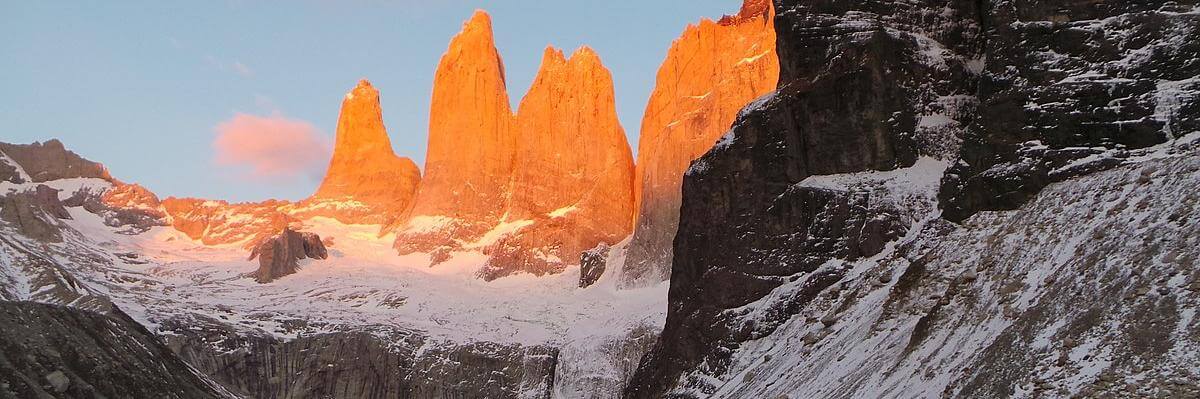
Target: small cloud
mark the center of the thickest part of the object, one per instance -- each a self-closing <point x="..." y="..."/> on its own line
<point x="240" y="68"/>
<point x="234" y="66"/>
<point x="272" y="147"/>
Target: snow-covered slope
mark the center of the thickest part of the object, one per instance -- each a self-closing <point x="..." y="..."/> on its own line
<point x="1090" y="289"/>
<point x="185" y="290"/>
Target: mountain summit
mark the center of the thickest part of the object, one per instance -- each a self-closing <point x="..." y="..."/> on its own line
<point x="531" y="190"/>
<point x="364" y="173"/>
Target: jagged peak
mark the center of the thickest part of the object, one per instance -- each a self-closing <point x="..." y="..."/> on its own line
<point x="552" y="55"/>
<point x="751" y="10"/>
<point x="585" y="54"/>
<point x="480" y="24"/>
<point x="364" y="90"/>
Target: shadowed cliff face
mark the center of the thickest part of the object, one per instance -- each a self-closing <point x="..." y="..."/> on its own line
<point x="711" y="71"/>
<point x="1011" y="96"/>
<point x="58" y="351"/>
<point x="857" y="80"/>
<point x="385" y="363"/>
<point x="533" y="190"/>
<point x="1068" y="88"/>
<point x="366" y="182"/>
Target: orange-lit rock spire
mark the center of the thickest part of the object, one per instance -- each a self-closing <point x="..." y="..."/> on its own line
<point x="366" y="182"/>
<point x="711" y="71"/>
<point x="471" y="146"/>
<point x="533" y="190"/>
<point x="573" y="171"/>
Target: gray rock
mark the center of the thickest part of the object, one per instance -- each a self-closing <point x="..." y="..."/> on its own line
<point x="80" y="354"/>
<point x="51" y="161"/>
<point x="59" y="381"/>
<point x="591" y="264"/>
<point x="35" y="213"/>
<point x="383" y="363"/>
<point x="279" y="255"/>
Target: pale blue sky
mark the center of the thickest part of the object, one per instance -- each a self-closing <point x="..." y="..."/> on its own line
<point x="141" y="85"/>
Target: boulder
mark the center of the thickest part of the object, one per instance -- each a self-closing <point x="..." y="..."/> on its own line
<point x="279" y="256"/>
<point x="591" y="265"/>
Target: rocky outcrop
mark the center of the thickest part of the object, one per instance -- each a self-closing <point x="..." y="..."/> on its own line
<point x="711" y="71"/>
<point x="279" y="256"/>
<point x="366" y="182"/>
<point x="48" y="161"/>
<point x="532" y="190"/>
<point x="1068" y="88"/>
<point x="387" y="363"/>
<point x="134" y="206"/>
<point x="221" y="223"/>
<point x="592" y="264"/>
<point x="61" y="352"/>
<point x="10" y="171"/>
<point x="35" y="213"/>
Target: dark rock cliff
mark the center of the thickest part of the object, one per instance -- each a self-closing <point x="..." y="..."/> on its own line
<point x="1068" y="88"/>
<point x="62" y="352"/>
<point x="377" y="362"/>
<point x="857" y="82"/>
<point x="1013" y="94"/>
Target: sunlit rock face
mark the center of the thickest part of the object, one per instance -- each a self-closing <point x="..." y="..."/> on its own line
<point x="532" y="190"/>
<point x="573" y="170"/>
<point x="471" y="146"/>
<point x="221" y="223"/>
<point x="711" y="71"/>
<point x="366" y="182"/>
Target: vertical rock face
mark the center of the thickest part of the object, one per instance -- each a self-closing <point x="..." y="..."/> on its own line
<point x="366" y="182"/>
<point x="711" y="72"/>
<point x="573" y="169"/>
<point x="384" y="363"/>
<point x="876" y="88"/>
<point x="857" y="79"/>
<point x="471" y="146"/>
<point x="1070" y="88"/>
<point x="532" y="190"/>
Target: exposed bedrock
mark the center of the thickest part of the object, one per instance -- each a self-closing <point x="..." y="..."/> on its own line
<point x="1068" y="88"/>
<point x="280" y="255"/>
<point x="51" y="351"/>
<point x="385" y="363"/>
